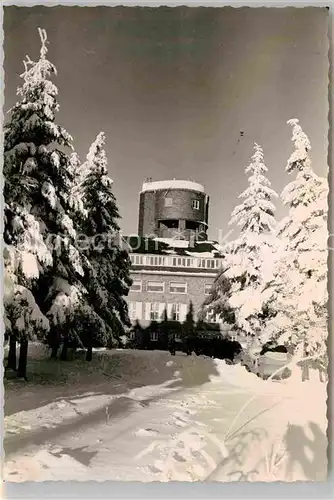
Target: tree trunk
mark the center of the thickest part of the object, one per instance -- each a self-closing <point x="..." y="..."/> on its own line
<point x="11" y="361"/>
<point x="89" y="353"/>
<point x="110" y="342"/>
<point x="305" y="366"/>
<point x="54" y="350"/>
<point x="63" y="354"/>
<point x="305" y="371"/>
<point x="22" y="370"/>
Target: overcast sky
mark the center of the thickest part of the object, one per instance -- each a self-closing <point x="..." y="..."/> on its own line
<point x="172" y="88"/>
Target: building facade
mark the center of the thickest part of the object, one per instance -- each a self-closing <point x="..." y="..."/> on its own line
<point x="169" y="282"/>
<point x="173" y="265"/>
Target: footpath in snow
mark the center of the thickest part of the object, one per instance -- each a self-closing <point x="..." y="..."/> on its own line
<point x="206" y="421"/>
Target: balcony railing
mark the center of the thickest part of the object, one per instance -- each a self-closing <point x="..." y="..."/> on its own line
<point x="174" y="261"/>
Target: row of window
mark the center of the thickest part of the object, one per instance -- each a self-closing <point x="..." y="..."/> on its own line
<point x="155" y="311"/>
<point x="154" y="336"/>
<point x="169" y="203"/>
<point x="159" y="287"/>
<point x="172" y="261"/>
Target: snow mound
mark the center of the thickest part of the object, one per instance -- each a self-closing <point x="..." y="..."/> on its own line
<point x="237" y="375"/>
<point x="146" y="432"/>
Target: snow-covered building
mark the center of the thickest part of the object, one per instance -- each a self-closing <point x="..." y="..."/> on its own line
<point x="174" y="209"/>
<point x="173" y="264"/>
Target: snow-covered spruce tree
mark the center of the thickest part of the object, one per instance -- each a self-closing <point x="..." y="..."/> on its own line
<point x="108" y="280"/>
<point x="37" y="194"/>
<point x="300" y="289"/>
<point x="237" y="292"/>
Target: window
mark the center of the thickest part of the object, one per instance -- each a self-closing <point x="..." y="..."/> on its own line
<point x="132" y="335"/>
<point x="192" y="225"/>
<point x="137" y="259"/>
<point x="135" y="310"/>
<point x="195" y="204"/>
<point x="155" y="260"/>
<point x="154" y="336"/>
<point x="154" y="311"/>
<point x="207" y="263"/>
<point x="132" y="310"/>
<point x="168" y="202"/>
<point x="155" y="286"/>
<point x="210" y="317"/>
<point x="207" y="289"/>
<point x="178" y="287"/>
<point x="182" y="262"/>
<point x="175" y="313"/>
<point x="136" y="286"/>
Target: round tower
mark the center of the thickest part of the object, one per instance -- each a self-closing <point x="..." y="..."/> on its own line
<point x="173" y="209"/>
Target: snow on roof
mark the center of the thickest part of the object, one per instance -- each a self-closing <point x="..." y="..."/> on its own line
<point x="163" y="246"/>
<point x="201" y="255"/>
<point x="173" y="242"/>
<point x="205" y="249"/>
<point x="172" y="184"/>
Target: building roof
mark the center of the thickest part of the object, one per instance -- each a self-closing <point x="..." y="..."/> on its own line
<point x="172" y="184"/>
<point x="142" y="245"/>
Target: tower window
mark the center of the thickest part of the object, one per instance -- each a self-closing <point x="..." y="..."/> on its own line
<point x="168" y="202"/>
<point x="195" y="204"/>
<point x="135" y="310"/>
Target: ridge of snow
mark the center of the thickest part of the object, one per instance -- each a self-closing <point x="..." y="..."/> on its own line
<point x="174" y="243"/>
<point x="173" y="184"/>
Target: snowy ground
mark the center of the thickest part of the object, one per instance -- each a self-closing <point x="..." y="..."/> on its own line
<point x="161" y="418"/>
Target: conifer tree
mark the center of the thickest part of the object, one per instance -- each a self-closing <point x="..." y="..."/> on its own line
<point x="108" y="280"/>
<point x="37" y="192"/>
<point x="237" y="292"/>
<point x="300" y="288"/>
